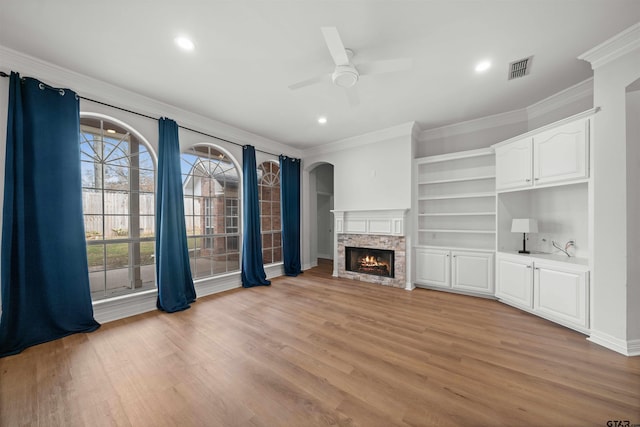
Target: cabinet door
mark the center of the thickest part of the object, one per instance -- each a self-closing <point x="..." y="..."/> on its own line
<point x="472" y="271"/>
<point x="513" y="165"/>
<point x="561" y="154"/>
<point x="561" y="294"/>
<point x="515" y="282"/>
<point x="432" y="267"/>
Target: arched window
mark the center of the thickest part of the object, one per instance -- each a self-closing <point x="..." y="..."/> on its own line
<point x="270" y="221"/>
<point x="118" y="199"/>
<point x="212" y="213"/>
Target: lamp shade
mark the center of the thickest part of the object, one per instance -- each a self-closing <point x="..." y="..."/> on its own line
<point x="524" y="225"/>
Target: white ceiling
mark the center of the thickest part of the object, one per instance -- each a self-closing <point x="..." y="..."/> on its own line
<point x="248" y="52"/>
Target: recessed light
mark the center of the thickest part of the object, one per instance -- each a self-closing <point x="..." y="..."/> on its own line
<point x="483" y="66"/>
<point x="184" y="43"/>
<point x="322" y="120"/>
<point x="111" y="131"/>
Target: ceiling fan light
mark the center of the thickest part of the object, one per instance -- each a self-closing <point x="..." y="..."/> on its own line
<point x="345" y="76"/>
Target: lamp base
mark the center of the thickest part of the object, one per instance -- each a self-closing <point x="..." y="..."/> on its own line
<point x="524" y="252"/>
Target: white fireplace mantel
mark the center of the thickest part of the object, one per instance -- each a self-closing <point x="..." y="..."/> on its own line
<point x="390" y="222"/>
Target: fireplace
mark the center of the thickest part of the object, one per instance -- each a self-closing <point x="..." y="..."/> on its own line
<point x="376" y="262"/>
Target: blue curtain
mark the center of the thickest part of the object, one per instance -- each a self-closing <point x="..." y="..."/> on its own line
<point x="45" y="277"/>
<point x="252" y="263"/>
<point x="173" y="271"/>
<point x="290" y="200"/>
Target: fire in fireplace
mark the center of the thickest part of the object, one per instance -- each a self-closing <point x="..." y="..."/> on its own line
<point x="378" y="262"/>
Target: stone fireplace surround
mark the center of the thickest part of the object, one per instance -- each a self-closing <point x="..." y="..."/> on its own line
<point x="376" y="229"/>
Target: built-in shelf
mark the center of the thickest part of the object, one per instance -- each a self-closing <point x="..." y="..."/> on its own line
<point x="458" y="196"/>
<point x="441" y="230"/>
<point x="458" y="214"/>
<point x="446" y="181"/>
<point x="455" y="201"/>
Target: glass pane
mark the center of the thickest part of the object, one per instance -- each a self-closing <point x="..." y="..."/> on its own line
<point x="198" y="224"/>
<point x="219" y="245"/>
<point x="276" y="223"/>
<point x="93" y="227"/>
<point x="233" y="262"/>
<point x="204" y="267"/>
<point x="116" y="177"/>
<point x="265" y="208"/>
<point x="277" y="240"/>
<point x="219" y="264"/>
<point x="147" y="253"/>
<point x="189" y="223"/>
<point x="116" y="226"/>
<point x="117" y="255"/>
<point x="267" y="241"/>
<point x="145" y="159"/>
<point x="95" y="256"/>
<point x="91" y="201"/>
<point x="265" y="223"/>
<point x="147" y="226"/>
<point x="147" y="181"/>
<point x="148" y="276"/>
<point x="91" y="174"/>
<point x="267" y="256"/>
<point x="117" y="282"/>
<point x="277" y="254"/>
<point x="116" y="202"/>
<point x="147" y="204"/>
<point x="97" y="285"/>
<point x="233" y="244"/>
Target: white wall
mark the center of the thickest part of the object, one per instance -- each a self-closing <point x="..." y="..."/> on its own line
<point x="371" y="172"/>
<point x="611" y="295"/>
<point x="435" y="143"/>
<point x="633" y="213"/>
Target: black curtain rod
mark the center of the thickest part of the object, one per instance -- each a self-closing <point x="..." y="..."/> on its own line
<point x="3" y="74"/>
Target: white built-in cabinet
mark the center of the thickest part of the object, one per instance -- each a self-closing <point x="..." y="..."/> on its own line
<point x="555" y="290"/>
<point x="544" y="175"/>
<point x="465" y="271"/>
<point x="555" y="155"/>
<point x="455" y="205"/>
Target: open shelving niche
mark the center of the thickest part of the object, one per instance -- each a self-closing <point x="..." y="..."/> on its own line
<point x="456" y="201"/>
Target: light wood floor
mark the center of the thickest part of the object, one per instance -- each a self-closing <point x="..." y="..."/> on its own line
<point x="316" y="350"/>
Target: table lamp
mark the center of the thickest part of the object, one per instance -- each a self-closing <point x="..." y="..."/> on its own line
<point x="524" y="226"/>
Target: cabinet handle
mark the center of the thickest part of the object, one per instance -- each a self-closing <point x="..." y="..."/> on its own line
<point x="537" y="268"/>
<point x="527" y="180"/>
<point x="537" y="179"/>
<point x="528" y="266"/>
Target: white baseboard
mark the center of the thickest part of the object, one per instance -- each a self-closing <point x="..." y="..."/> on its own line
<point x="409" y="286"/>
<point x="325" y="256"/>
<point x="628" y="348"/>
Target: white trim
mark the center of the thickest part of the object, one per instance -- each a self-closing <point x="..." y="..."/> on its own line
<point x="398" y="131"/>
<point x="612" y="49"/>
<point x="475" y="125"/>
<point x="633" y="348"/>
<point x="384" y="222"/>
<point x="571" y="94"/>
<point x="628" y="348"/>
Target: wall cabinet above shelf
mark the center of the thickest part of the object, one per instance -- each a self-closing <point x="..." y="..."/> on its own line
<point x="556" y="155"/>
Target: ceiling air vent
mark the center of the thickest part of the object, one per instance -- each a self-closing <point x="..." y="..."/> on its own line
<point x="519" y="68"/>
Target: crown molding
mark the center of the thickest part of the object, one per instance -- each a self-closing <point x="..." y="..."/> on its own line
<point x="99" y="90"/>
<point x="474" y="125"/>
<point x="571" y="94"/>
<point x="615" y="47"/>
<point x="398" y="131"/>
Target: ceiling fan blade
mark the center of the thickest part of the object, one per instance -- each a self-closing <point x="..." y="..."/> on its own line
<point x="334" y="43"/>
<point x="308" y="82"/>
<point x="353" y="96"/>
<point x="385" y="66"/>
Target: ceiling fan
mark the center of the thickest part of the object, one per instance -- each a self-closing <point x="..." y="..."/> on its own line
<point x="346" y="75"/>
